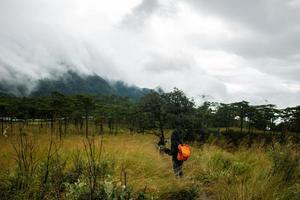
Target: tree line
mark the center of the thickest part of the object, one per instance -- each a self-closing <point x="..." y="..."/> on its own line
<point x="155" y="112"/>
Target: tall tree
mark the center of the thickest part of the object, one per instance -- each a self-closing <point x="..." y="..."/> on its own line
<point x="87" y="104"/>
<point x="3" y="109"/>
<point x="266" y="116"/>
<point x="59" y="104"/>
<point x="153" y="104"/>
<point x="205" y="114"/>
<point x="295" y="119"/>
<point x="241" y="109"/>
<point x="180" y="112"/>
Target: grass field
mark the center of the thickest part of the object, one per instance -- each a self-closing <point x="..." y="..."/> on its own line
<point x="256" y="173"/>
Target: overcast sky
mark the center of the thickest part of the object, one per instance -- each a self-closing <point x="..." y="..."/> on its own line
<point x="227" y="50"/>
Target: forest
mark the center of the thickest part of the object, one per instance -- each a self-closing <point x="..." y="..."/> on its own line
<point x="156" y="112"/>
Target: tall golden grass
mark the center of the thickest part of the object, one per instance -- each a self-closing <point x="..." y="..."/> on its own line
<point x="242" y="174"/>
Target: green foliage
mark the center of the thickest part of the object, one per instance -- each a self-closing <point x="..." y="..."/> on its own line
<point x="78" y="167"/>
<point x="285" y="163"/>
<point x="106" y="191"/>
<point x="190" y="193"/>
<point x="155" y="112"/>
<point x="144" y="196"/>
<point x="52" y="175"/>
<point x="238" y="168"/>
<point x="254" y="173"/>
<point x="54" y="180"/>
<point x="292" y="193"/>
<point x="219" y="161"/>
<point x="77" y="190"/>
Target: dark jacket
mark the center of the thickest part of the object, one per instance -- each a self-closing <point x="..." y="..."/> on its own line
<point x="175" y="141"/>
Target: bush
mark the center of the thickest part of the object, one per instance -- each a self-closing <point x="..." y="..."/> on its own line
<point x="292" y="193"/>
<point x="76" y="190"/>
<point x="219" y="161"/>
<point x="105" y="191"/>
<point x="105" y="169"/>
<point x="52" y="175"/>
<point x="144" y="196"/>
<point x="190" y="193"/>
<point x="78" y="167"/>
<point x="8" y="186"/>
<point x="284" y="163"/>
<point x="239" y="168"/>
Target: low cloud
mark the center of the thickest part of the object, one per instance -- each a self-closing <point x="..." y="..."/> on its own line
<point x="227" y="51"/>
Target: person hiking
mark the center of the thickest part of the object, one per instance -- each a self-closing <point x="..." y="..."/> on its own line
<point x="175" y="141"/>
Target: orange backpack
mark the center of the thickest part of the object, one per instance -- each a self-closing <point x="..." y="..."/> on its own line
<point x="184" y="152"/>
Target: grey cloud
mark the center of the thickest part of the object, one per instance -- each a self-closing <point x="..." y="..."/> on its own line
<point x="160" y="64"/>
<point x="277" y="45"/>
<point x="273" y="26"/>
<point x="270" y="16"/>
<point x="138" y="15"/>
<point x="35" y="45"/>
<point x="270" y="33"/>
<point x="46" y="38"/>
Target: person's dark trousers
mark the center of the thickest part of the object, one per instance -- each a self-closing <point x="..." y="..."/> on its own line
<point x="177" y="167"/>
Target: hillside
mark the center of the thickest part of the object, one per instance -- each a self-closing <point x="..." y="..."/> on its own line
<point x="72" y="83"/>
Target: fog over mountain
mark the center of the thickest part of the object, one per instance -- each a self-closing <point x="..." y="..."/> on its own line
<point x="226" y="50"/>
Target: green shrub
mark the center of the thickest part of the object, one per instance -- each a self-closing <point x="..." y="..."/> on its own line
<point x="52" y="175"/>
<point x="292" y="193"/>
<point x="105" y="191"/>
<point x="144" y="196"/>
<point x="219" y="161"/>
<point x="75" y="190"/>
<point x="11" y="186"/>
<point x="239" y="168"/>
<point x="205" y="178"/>
<point x="284" y="163"/>
<point x="8" y="186"/>
<point x="190" y="193"/>
<point x="77" y="169"/>
<point x="105" y="169"/>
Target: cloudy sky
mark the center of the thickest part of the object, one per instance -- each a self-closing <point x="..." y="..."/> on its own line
<point x="227" y="50"/>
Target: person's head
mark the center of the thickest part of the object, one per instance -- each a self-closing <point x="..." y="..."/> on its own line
<point x="177" y="136"/>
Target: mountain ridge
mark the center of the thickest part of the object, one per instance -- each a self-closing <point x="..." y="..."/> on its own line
<point x="71" y="83"/>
